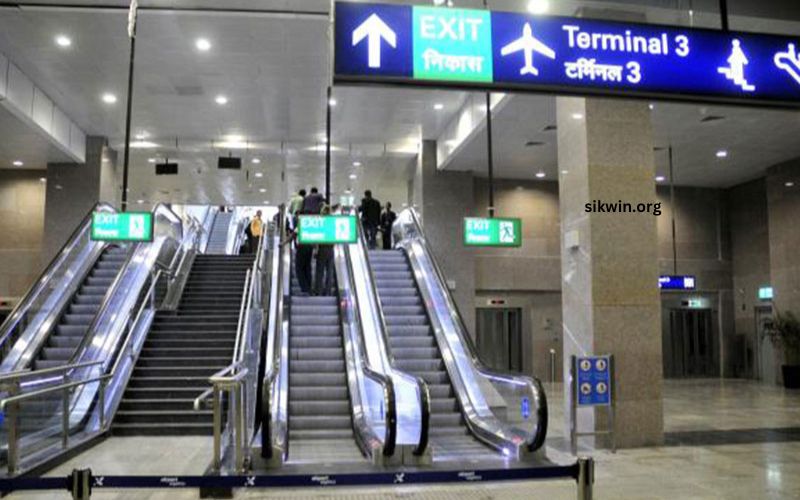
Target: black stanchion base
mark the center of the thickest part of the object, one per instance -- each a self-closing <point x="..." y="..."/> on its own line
<point x="216" y="492"/>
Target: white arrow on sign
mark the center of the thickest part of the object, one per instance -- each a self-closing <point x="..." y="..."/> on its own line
<point x="374" y="29"/>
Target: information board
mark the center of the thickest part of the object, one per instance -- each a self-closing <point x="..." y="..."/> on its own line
<point x="123" y="226"/>
<point x="327" y="229"/>
<point x="677" y="282"/>
<point x="422" y="45"/>
<point x="486" y="232"/>
<point x="594" y="380"/>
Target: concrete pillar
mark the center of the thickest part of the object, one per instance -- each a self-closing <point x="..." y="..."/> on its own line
<point x="610" y="297"/>
<point x="443" y="199"/>
<point x="72" y="190"/>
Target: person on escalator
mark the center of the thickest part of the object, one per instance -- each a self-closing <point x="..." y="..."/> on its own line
<point x="387" y="220"/>
<point x="312" y="205"/>
<point x="296" y="206"/>
<point x="370" y="211"/>
<point x="256" y="227"/>
<point x="323" y="274"/>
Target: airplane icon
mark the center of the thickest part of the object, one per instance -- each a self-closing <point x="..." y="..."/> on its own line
<point x="529" y="44"/>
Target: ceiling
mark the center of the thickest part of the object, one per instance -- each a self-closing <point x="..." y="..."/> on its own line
<point x="270" y="59"/>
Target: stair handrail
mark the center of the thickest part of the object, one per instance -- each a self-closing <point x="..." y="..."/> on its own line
<point x="422" y="387"/>
<point x="9" y="325"/>
<point x="535" y="386"/>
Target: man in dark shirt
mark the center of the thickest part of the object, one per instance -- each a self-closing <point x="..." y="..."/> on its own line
<point x="370" y="211"/>
<point x="312" y="204"/>
<point x="387" y="220"/>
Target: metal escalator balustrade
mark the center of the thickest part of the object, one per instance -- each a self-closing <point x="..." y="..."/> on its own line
<point x="415" y="351"/>
<point x="218" y="239"/>
<point x="505" y="411"/>
<point x="183" y="349"/>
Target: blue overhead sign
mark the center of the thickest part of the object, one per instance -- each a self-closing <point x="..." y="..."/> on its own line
<point x="680" y="282"/>
<point x="513" y="51"/>
<point x="594" y="380"/>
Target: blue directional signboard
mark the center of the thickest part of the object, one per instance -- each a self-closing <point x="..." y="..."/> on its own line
<point x="679" y="282"/>
<point x="593" y="380"/>
<point x="426" y="45"/>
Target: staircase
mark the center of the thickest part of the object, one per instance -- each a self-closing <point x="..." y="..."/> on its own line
<point x="416" y="352"/>
<point x="183" y="349"/>
<point x="218" y="239"/>
<point x="80" y="313"/>
<point x="320" y="423"/>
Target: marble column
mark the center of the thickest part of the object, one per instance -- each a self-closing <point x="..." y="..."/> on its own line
<point x="72" y="190"/>
<point x="609" y="261"/>
<point x="443" y="199"/>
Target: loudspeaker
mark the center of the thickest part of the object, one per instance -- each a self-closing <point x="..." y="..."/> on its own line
<point x="230" y="162"/>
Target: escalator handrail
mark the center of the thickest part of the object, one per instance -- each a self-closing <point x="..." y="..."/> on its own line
<point x="274" y="367"/>
<point x="7" y="327"/>
<point x="534" y="385"/>
<point x="390" y="401"/>
<point x="422" y="386"/>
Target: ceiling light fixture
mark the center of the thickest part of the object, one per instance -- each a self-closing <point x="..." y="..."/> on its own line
<point x="109" y="98"/>
<point x="151" y="160"/>
<point x="262" y="190"/>
<point x="438" y="106"/>
<point x="221" y="100"/>
<point x="651" y="106"/>
<point x="259" y="174"/>
<point x="538" y="6"/>
<point x="356" y="163"/>
<point x="722" y="153"/>
<point x="577" y="116"/>
<point x="353" y="177"/>
<point x="202" y="44"/>
<point x="17" y="163"/>
<point x="332" y="101"/>
<point x="42" y="179"/>
<point x="142" y="136"/>
<point x="63" y="41"/>
<point x="540" y="175"/>
<point x="789" y="184"/>
<point x="660" y="178"/>
<point x="266" y="202"/>
<point x="256" y="160"/>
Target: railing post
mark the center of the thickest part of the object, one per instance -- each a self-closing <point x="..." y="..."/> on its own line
<point x="585" y="478"/>
<point x="65" y="418"/>
<point x="238" y="438"/>
<point x="12" y="416"/>
<point x="102" y="403"/>
<point x="215" y="401"/>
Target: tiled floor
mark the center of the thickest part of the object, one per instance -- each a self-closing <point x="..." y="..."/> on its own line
<point x="763" y="468"/>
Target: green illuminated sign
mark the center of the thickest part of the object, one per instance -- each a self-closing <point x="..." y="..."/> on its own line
<point x="765" y="293"/>
<point x="452" y="44"/>
<point x="492" y="232"/>
<point x="327" y="229"/>
<point x="126" y="226"/>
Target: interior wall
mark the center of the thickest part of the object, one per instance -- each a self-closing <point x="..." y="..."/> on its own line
<point x="783" y="205"/>
<point x="22" y="197"/>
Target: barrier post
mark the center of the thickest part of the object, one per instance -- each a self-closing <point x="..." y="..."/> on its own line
<point x="81" y="484"/>
<point x="585" y="478"/>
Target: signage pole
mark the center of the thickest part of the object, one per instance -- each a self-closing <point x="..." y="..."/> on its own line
<point x="489" y="152"/>
<point x="723" y="14"/>
<point x="132" y="15"/>
<point x="328" y="147"/>
<point x="672" y="210"/>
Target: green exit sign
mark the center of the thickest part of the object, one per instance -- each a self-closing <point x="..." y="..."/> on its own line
<point x="125" y="226"/>
<point x="481" y="232"/>
<point x="327" y="229"/>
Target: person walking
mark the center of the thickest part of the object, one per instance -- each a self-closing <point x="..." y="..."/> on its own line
<point x="256" y="227"/>
<point x="323" y="274"/>
<point x="312" y="205"/>
<point x="370" y="211"/>
<point x="387" y="220"/>
<point x="296" y="206"/>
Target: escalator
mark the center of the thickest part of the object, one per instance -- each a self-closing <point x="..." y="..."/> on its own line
<point x="415" y="351"/>
<point x="218" y="239"/>
<point x="61" y="345"/>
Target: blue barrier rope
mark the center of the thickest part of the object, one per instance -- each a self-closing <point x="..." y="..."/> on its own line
<point x="299" y="480"/>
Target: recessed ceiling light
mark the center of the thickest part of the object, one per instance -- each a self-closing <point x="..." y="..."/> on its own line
<point x="438" y="106"/>
<point x="151" y="160"/>
<point x="262" y="190"/>
<point x="577" y="116"/>
<point x="266" y="202"/>
<point x="353" y="176"/>
<point x="142" y="136"/>
<point x="348" y="191"/>
<point x="722" y="153"/>
<point x="660" y="178"/>
<point x="42" y="179"/>
<point x="221" y="100"/>
<point x="789" y="184"/>
<point x="651" y="106"/>
<point x="17" y="163"/>
<point x="564" y="172"/>
<point x="256" y="161"/>
<point x="540" y="175"/>
<point x="332" y="101"/>
<point x="139" y="201"/>
<point x="538" y="6"/>
<point x="202" y="44"/>
<point x="109" y="98"/>
<point x="63" y="41"/>
<point x="259" y="174"/>
<point x="356" y="163"/>
<point x="143" y="145"/>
